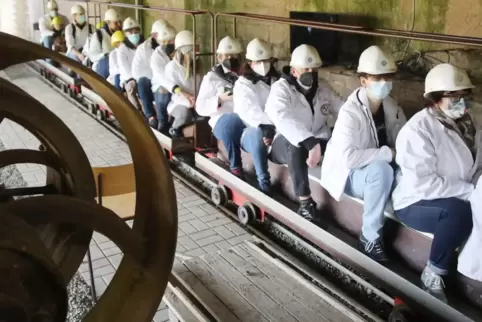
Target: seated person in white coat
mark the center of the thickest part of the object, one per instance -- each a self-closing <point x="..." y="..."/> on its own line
<point x="250" y="94"/>
<point x="359" y="155"/>
<point x="180" y="75"/>
<point x="215" y="100"/>
<point x="100" y="43"/>
<point x="159" y="59"/>
<point x="125" y="56"/>
<point x="436" y="152"/>
<point x="142" y="73"/>
<point x="299" y="108"/>
<point x="76" y="33"/>
<point x="45" y="24"/>
<point x="117" y="39"/>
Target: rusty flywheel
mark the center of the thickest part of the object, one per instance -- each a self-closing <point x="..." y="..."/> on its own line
<point x="44" y="238"/>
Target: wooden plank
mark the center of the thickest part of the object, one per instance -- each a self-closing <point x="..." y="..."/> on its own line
<point x="210" y="301"/>
<point x="184" y="310"/>
<point x="347" y="313"/>
<point x="259" y="299"/>
<point x="218" y="286"/>
<point x="277" y="292"/>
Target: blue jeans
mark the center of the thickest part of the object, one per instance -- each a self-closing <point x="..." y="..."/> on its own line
<point x="373" y="184"/>
<point x="229" y="129"/>
<point x="73" y="56"/>
<point x="147" y="98"/>
<point x="252" y="142"/>
<point x="48" y="42"/>
<point x="117" y="82"/>
<point x="162" y="101"/>
<point x="449" y="220"/>
<point x="102" y="67"/>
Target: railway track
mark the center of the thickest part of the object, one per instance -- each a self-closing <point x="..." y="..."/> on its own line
<point x="369" y="301"/>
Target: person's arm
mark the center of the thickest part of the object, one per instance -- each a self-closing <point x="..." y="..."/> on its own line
<point x="124" y="64"/>
<point x="344" y="138"/>
<point x="417" y="159"/>
<point x="138" y="62"/>
<point x="281" y="113"/>
<point x="207" y="102"/>
<point x="45" y="27"/>
<point x="95" y="48"/>
<point x="246" y="105"/>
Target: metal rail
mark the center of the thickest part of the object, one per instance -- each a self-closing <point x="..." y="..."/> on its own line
<point x="359" y="30"/>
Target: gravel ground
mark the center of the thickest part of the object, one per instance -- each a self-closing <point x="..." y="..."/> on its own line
<point x="80" y="300"/>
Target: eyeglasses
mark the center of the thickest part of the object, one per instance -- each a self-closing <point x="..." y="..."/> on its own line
<point x="457" y="97"/>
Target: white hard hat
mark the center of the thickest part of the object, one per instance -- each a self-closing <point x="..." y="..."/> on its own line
<point x="52" y="5"/>
<point x="77" y="10"/>
<point x="446" y="78"/>
<point x="259" y="49"/>
<point x="374" y="61"/>
<point x="184" y="38"/>
<point x="111" y="15"/>
<point x="166" y="32"/>
<point x="305" y="56"/>
<point x="157" y="25"/>
<point x="229" y="45"/>
<point x="129" y="23"/>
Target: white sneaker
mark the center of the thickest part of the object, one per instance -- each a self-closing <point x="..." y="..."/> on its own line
<point x="433" y="284"/>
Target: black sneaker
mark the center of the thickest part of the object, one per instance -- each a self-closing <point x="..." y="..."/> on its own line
<point x="374" y="249"/>
<point x="153" y="122"/>
<point x="175" y="133"/>
<point x="307" y="209"/>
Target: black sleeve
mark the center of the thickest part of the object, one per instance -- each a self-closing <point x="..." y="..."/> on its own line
<point x="309" y="143"/>
<point x="269" y="130"/>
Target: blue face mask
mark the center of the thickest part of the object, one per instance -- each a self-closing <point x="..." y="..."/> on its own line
<point x="455" y="109"/>
<point x="379" y="90"/>
<point x="81" y="19"/>
<point x="134" y="38"/>
<point x="53" y="14"/>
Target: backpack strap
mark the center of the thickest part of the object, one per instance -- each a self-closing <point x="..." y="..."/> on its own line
<point x="74" y="30"/>
<point x="90" y="29"/>
<point x="100" y="36"/>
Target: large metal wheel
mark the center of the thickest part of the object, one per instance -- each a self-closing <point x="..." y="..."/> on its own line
<point x="219" y="195"/>
<point x="246" y="214"/>
<point x="44" y="238"/>
<point x="401" y="313"/>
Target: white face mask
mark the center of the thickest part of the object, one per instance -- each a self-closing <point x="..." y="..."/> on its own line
<point x="379" y="90"/>
<point x="261" y="68"/>
<point x="454" y="110"/>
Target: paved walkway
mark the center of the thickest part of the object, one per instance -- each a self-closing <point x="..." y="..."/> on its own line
<point x="202" y="228"/>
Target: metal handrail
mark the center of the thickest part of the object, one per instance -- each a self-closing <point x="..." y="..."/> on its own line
<point x="359" y="30"/>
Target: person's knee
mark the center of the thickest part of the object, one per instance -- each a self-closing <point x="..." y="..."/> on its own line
<point x="380" y="171"/>
<point x="143" y="82"/>
<point x="233" y="125"/>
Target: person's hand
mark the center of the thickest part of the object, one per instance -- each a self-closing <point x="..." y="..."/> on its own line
<point x="189" y="97"/>
<point x="267" y="141"/>
<point x="225" y="97"/>
<point x="81" y="57"/>
<point x="314" y="156"/>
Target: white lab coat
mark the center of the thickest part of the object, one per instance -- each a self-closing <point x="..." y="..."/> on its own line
<point x="141" y="64"/>
<point x="470" y="258"/>
<point x="81" y="36"/>
<point x="292" y="115"/>
<point x="175" y="74"/>
<point x="159" y="61"/>
<point x="354" y="143"/>
<point x="96" y="51"/>
<point x="250" y="100"/>
<point x="125" y="56"/>
<point x="113" y="66"/>
<point x="435" y="162"/>
<point x="207" y="102"/>
<point x="45" y="25"/>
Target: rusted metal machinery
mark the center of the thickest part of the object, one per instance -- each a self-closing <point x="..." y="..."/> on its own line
<point x="44" y="238"/>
